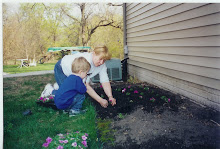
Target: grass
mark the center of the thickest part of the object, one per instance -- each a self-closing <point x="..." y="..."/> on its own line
<point x="31" y="131"/>
<point x="13" y="69"/>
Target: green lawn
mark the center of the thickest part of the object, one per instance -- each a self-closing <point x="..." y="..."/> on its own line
<point x="30" y="131"/>
<point x="12" y="69"/>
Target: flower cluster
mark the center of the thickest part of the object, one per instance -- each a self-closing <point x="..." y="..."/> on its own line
<point x="165" y="98"/>
<point x="123" y="90"/>
<point x="76" y="140"/>
<point x="152" y="99"/>
<point x="47" y="99"/>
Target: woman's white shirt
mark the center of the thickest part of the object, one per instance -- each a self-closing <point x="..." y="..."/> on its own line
<point x="66" y="64"/>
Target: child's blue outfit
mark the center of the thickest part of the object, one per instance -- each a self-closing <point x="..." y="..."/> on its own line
<point x="70" y="94"/>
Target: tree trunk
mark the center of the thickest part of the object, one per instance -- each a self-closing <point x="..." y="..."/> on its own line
<point x="83" y="22"/>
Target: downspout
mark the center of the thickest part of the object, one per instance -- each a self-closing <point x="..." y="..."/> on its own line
<point x="124" y="61"/>
<point x="125" y="31"/>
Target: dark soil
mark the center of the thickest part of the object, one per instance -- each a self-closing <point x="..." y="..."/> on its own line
<point x="168" y="122"/>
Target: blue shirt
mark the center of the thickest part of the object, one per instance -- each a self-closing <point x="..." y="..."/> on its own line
<point x="71" y="86"/>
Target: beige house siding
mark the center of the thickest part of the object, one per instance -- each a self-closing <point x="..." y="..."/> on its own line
<point x="176" y="47"/>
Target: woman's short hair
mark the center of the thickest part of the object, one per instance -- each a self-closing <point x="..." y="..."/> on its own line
<point x="103" y="51"/>
<point x="80" y="63"/>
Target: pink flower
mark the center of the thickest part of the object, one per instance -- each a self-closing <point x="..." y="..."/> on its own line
<point x="49" y="140"/>
<point x="84" y="137"/>
<point x="123" y="90"/>
<point x="65" y="141"/>
<point x="129" y="86"/>
<point x="100" y="86"/>
<point x="61" y="141"/>
<point x="86" y="134"/>
<point x="140" y="97"/>
<point x="45" y="99"/>
<point x="51" y="97"/>
<point x="77" y="132"/>
<point x="152" y="99"/>
<point x="84" y="143"/>
<point x="60" y="134"/>
<point x="169" y="100"/>
<point x="74" y="144"/>
<point x="41" y="98"/>
<point x="60" y="147"/>
<point x="135" y="91"/>
<point x="45" y="144"/>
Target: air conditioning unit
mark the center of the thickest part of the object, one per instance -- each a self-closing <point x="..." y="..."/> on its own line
<point x="113" y="69"/>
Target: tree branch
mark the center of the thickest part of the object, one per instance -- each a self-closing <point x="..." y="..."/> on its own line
<point x="111" y="4"/>
<point x="70" y="15"/>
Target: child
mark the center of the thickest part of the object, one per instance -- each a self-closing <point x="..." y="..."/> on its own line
<point x="70" y="95"/>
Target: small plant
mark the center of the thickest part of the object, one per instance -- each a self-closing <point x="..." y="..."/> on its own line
<point x="140" y="86"/>
<point x="152" y="99"/>
<point x="121" y="116"/>
<point x="128" y="93"/>
<point x="131" y="89"/>
<point x="133" y="79"/>
<point x="152" y="91"/>
<point x="123" y="90"/>
<point x="118" y="89"/>
<point x="146" y="88"/>
<point x="69" y="140"/>
<point x="165" y="98"/>
<point x="142" y="93"/>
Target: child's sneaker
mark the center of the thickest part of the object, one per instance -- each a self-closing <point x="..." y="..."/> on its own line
<point x="76" y="112"/>
<point x="47" y="90"/>
<point x="56" y="86"/>
<point x="66" y="111"/>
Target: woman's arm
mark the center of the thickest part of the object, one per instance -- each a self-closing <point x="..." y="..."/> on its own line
<point x="94" y="95"/>
<point x="108" y="91"/>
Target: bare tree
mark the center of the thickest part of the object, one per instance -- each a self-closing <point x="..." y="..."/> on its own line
<point x="87" y="27"/>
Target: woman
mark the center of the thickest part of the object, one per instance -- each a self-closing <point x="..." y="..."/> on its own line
<point x="97" y="60"/>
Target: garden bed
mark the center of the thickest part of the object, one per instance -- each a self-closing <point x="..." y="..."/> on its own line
<point x="149" y="117"/>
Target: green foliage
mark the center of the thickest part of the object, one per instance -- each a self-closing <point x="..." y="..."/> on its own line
<point x="146" y="88"/>
<point x="121" y="116"/>
<point x="133" y="79"/>
<point x="19" y="95"/>
<point x="105" y="131"/>
<point x="128" y="93"/>
<point x="38" y="26"/>
<point x="13" y="69"/>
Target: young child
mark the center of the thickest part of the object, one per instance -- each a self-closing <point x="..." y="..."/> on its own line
<point x="71" y="94"/>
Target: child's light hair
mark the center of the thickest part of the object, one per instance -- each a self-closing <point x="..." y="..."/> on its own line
<point x="80" y="63"/>
<point x="103" y="51"/>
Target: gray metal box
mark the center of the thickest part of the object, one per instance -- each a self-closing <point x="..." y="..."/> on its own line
<point x="113" y="69"/>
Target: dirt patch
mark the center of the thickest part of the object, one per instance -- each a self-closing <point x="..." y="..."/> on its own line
<point x="149" y="117"/>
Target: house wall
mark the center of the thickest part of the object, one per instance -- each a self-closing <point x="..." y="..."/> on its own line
<point x="177" y="47"/>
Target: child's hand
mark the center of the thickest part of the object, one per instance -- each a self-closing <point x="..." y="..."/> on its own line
<point x="112" y="100"/>
<point x="104" y="103"/>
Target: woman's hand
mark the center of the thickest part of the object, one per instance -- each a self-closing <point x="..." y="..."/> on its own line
<point x="104" y="103"/>
<point x="112" y="100"/>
